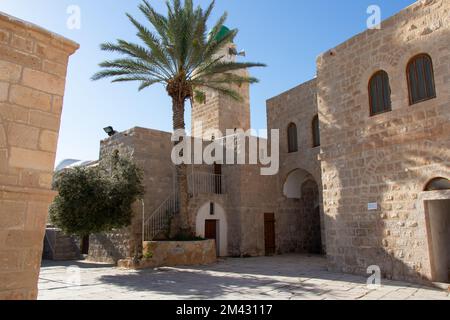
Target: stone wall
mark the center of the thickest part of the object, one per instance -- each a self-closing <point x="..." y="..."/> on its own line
<point x="33" y="65"/>
<point x="174" y="253"/>
<point x="151" y="150"/>
<point x="298" y="106"/>
<point x="385" y="159"/>
<point x="110" y="247"/>
<point x="219" y="111"/>
<point x="249" y="196"/>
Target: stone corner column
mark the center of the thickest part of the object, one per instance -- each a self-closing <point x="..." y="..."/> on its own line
<point x="33" y="64"/>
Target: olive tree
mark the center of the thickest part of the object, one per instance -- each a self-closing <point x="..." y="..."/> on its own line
<point x="96" y="199"/>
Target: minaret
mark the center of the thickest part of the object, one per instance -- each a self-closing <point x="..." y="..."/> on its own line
<point x="220" y="112"/>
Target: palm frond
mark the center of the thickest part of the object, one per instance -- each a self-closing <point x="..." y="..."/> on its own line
<point x="174" y="49"/>
<point x="226" y="91"/>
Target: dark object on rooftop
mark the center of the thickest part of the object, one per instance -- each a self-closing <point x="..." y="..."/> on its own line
<point x="110" y="131"/>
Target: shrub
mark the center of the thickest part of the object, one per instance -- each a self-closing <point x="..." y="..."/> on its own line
<point x="96" y="199"/>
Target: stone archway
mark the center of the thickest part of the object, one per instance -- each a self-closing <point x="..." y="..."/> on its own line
<point x="213" y="212"/>
<point x="299" y="222"/>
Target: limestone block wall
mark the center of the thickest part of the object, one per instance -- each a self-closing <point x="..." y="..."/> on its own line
<point x="33" y="66"/>
<point x="151" y="149"/>
<point x="385" y="159"/>
<point x="298" y="106"/>
<point x="220" y="112"/>
<point x="250" y="195"/>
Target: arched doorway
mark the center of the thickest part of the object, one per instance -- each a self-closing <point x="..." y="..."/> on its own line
<point x="211" y="223"/>
<point x="303" y="199"/>
<point x="437" y="215"/>
<point x="311" y="212"/>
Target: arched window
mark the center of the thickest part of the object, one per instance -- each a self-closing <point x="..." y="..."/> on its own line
<point x="292" y="138"/>
<point x="316" y="132"/>
<point x="379" y="93"/>
<point x="420" y="79"/>
<point x="438" y="184"/>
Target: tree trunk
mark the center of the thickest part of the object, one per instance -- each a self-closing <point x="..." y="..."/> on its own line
<point x="181" y="170"/>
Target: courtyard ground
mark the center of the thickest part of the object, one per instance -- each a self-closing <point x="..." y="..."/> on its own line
<point x="266" y="278"/>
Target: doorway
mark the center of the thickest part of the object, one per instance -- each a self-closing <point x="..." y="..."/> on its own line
<point x="85" y="245"/>
<point x="311" y="221"/>
<point x="438" y="217"/>
<point x="269" y="233"/>
<point x="211" y="232"/>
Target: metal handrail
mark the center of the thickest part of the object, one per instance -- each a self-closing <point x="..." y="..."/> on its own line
<point x="158" y="221"/>
<point x="198" y="183"/>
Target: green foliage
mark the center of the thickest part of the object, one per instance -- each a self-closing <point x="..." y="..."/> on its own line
<point x="148" y="255"/>
<point x="176" y="50"/>
<point x="96" y="199"/>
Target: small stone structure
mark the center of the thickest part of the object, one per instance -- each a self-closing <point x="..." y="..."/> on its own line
<point x="174" y="253"/>
<point x="33" y="66"/>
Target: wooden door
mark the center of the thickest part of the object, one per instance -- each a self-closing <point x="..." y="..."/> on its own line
<point x="211" y="229"/>
<point x="269" y="233"/>
<point x="211" y="232"/>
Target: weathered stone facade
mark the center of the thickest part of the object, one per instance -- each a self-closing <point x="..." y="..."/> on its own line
<point x="297" y="106"/>
<point x="360" y="196"/>
<point x="33" y="65"/>
<point x="386" y="159"/>
<point x="220" y="112"/>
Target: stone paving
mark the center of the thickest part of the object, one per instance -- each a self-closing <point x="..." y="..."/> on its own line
<point x="281" y="277"/>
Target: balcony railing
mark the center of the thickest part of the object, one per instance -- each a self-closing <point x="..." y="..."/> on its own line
<point x="206" y="183"/>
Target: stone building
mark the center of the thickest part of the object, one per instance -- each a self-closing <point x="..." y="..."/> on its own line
<point x="384" y="110"/>
<point x="364" y="160"/>
<point x="33" y="66"/>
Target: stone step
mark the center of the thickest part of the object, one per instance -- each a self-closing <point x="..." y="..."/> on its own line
<point x="58" y="246"/>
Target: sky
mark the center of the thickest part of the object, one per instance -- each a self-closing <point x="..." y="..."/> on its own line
<point x="287" y="35"/>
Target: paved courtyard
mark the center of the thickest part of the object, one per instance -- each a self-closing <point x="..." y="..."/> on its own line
<point x="280" y="277"/>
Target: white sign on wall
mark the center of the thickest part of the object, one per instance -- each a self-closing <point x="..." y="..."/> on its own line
<point x="372" y="206"/>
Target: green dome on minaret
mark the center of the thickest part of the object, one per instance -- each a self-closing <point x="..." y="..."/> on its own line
<point x="223" y="32"/>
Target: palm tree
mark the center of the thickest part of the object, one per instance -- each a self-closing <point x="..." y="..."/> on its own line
<point x="180" y="54"/>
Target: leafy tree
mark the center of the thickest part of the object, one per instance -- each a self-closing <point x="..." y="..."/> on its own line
<point x="96" y="199"/>
<point x="179" y="54"/>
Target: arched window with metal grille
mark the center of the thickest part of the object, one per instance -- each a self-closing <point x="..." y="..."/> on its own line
<point x="420" y="79"/>
<point x="379" y="93"/>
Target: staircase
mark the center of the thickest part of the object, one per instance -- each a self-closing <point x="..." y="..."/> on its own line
<point x="157" y="223"/>
<point x="60" y="247"/>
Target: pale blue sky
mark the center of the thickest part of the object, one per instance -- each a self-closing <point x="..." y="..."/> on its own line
<point x="287" y="35"/>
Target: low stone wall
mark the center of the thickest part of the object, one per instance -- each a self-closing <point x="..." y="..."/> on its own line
<point x="110" y="247"/>
<point x="174" y="253"/>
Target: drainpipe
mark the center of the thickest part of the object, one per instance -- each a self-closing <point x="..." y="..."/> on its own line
<point x="143" y="221"/>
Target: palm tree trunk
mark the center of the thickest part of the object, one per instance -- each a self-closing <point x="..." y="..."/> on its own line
<point x="178" y="109"/>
